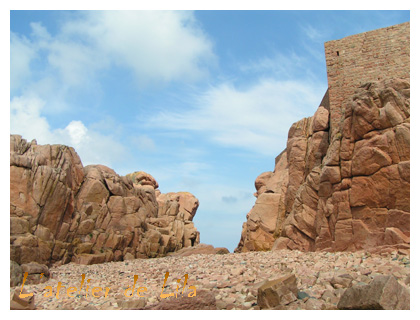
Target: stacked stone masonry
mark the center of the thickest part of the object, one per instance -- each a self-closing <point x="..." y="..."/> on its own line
<point x="370" y="56"/>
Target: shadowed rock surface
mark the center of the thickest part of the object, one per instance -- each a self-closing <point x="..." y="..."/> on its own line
<point x="383" y="293"/>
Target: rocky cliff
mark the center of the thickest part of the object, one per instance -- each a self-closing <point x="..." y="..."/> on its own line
<point x="343" y="185"/>
<point x="61" y="211"/>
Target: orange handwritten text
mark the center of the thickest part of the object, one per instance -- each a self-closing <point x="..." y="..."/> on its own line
<point x="95" y="292"/>
<point x="167" y="295"/>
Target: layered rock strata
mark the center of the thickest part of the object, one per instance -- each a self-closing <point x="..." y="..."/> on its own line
<point x="61" y="211"/>
<point x="341" y="187"/>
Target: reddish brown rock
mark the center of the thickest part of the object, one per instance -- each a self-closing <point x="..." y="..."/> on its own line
<point x="266" y="217"/>
<point x="182" y="205"/>
<point x="143" y="178"/>
<point x="342" y="190"/>
<point x="18" y="303"/>
<point x="61" y="211"/>
<point x="395" y="236"/>
<point x="321" y="119"/>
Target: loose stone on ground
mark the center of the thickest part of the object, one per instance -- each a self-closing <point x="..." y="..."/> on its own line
<point x="228" y="281"/>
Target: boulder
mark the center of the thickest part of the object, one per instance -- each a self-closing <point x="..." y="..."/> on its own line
<point x="382" y="293"/>
<point x="18" y="303"/>
<point x="37" y="273"/>
<point x="281" y="291"/>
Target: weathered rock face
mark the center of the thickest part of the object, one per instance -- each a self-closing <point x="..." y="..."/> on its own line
<point x="346" y="188"/>
<point x="61" y="211"/>
<point x="265" y="219"/>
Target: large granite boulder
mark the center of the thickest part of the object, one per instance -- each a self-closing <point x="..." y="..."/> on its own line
<point x="61" y="211"/>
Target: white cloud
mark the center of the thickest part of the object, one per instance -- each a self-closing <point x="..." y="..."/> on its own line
<point x="76" y="132"/>
<point x="92" y="146"/>
<point x="155" y="47"/>
<point x="257" y="118"/>
<point x="158" y="46"/>
<point x="21" y="54"/>
<point x="50" y="69"/>
<point x="26" y="119"/>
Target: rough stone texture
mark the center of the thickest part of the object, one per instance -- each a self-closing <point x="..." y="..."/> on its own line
<point x="37" y="273"/>
<point x="15" y="274"/>
<point x="18" y="303"/>
<point x="343" y="183"/>
<point x="265" y="219"/>
<point x="383" y="293"/>
<point x="233" y="279"/>
<point x="61" y="211"/>
<point x="370" y="56"/>
<point x="204" y="300"/>
<point x="281" y="291"/>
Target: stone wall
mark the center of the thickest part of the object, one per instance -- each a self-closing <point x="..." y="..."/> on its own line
<point x="370" y="56"/>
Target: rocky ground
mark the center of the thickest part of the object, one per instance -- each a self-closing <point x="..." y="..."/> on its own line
<point x="222" y="281"/>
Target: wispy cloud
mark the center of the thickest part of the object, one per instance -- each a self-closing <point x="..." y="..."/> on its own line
<point x="315" y="34"/>
<point x="281" y="66"/>
<point x="256" y="118"/>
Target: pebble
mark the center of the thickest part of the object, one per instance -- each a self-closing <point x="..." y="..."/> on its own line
<point x="233" y="278"/>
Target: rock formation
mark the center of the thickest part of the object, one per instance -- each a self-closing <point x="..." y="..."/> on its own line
<point x="343" y="182"/>
<point x="343" y="189"/>
<point x="61" y="211"/>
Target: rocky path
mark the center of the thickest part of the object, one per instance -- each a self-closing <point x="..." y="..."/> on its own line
<point x="228" y="281"/>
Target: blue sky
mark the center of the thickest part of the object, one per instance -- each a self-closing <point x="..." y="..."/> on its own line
<point x="201" y="100"/>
